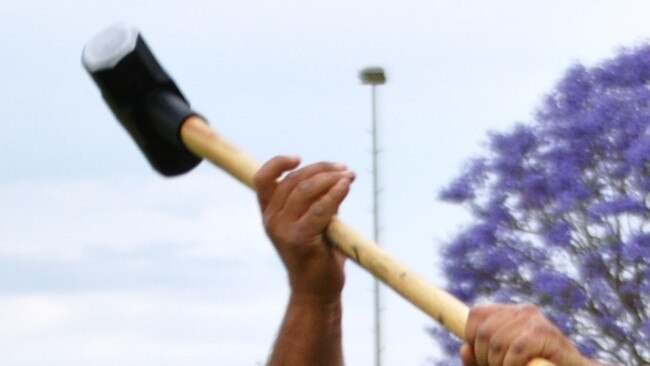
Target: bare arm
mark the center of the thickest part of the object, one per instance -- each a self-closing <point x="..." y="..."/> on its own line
<point x="296" y="211"/>
<point x="310" y="335"/>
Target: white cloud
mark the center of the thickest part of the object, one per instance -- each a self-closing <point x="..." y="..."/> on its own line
<point x="135" y="328"/>
<point x="64" y="219"/>
<point x="278" y="77"/>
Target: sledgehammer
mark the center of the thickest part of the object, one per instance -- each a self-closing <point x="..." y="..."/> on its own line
<point x="174" y="139"/>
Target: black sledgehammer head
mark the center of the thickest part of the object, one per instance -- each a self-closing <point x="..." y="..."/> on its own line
<point x="142" y="96"/>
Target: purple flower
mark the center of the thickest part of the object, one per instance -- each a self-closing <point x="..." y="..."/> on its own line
<point x="611" y="325"/>
<point x="463" y="188"/>
<point x="562" y="321"/>
<point x="638" y="159"/>
<point x="482" y="235"/>
<point x="637" y="248"/>
<point x="558" y="290"/>
<point x="535" y="191"/>
<point x="498" y="213"/>
<point x="617" y="206"/>
<point x="517" y="143"/>
<point x="644" y="329"/>
<point x="592" y="265"/>
<point x="559" y="214"/>
<point x="631" y="68"/>
<point x="558" y="235"/>
<point x="459" y="191"/>
<point x="546" y="282"/>
<point x="587" y="347"/>
<point x="574" y="90"/>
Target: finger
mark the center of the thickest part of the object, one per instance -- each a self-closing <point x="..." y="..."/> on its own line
<point x="467" y="355"/>
<point x="524" y="348"/>
<point x="320" y="213"/>
<point x="288" y="184"/>
<point x="477" y="315"/>
<point x="538" y="338"/>
<point x="505" y="335"/>
<point x="493" y="319"/>
<point x="309" y="191"/>
<point x="265" y="180"/>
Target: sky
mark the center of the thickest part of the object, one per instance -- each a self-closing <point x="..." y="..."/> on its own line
<point x="103" y="261"/>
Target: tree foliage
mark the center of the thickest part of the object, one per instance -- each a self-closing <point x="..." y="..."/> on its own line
<point x="561" y="211"/>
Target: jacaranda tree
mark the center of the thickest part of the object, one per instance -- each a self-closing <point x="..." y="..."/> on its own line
<point x="561" y="212"/>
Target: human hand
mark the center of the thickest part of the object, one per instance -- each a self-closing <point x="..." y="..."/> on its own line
<point x="296" y="212"/>
<point x="511" y="335"/>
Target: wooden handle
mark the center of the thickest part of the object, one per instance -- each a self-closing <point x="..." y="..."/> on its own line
<point x="450" y="312"/>
<point x="200" y="139"/>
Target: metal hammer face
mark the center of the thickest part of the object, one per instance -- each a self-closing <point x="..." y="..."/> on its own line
<point x="142" y="96"/>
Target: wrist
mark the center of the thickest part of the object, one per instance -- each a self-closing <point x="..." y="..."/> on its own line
<point x="315" y="301"/>
<point x="310" y="333"/>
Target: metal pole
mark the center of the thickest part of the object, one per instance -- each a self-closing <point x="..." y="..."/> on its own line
<point x="376" y="223"/>
<point x="375" y="76"/>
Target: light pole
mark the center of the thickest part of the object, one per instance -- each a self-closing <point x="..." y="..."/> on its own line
<point x="374" y="76"/>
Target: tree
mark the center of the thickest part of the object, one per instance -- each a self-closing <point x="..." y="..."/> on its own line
<point x="561" y="212"/>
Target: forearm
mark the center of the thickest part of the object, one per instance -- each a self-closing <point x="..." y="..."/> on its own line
<point x="310" y="334"/>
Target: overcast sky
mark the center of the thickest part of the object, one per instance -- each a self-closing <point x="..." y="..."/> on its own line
<point x="104" y="262"/>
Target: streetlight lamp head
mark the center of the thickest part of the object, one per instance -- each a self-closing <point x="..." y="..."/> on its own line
<point x="373" y="76"/>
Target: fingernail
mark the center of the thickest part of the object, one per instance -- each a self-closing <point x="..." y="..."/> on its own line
<point x="342" y="184"/>
<point x="346" y="181"/>
<point x="339" y="166"/>
<point x="348" y="174"/>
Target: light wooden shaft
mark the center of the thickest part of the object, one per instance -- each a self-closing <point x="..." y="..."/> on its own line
<point x="200" y="139"/>
<point x="450" y="312"/>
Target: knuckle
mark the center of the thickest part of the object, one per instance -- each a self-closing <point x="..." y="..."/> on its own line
<point x="318" y="209"/>
<point x="484" y="333"/>
<point x="529" y="310"/>
<point x="258" y="177"/>
<point x="542" y="329"/>
<point x="479" y="312"/>
<point x="274" y="232"/>
<point x="296" y="236"/>
<point x="520" y="345"/>
<point x="261" y="176"/>
<point x="322" y="165"/>
<point x="259" y="181"/>
<point x="496" y="345"/>
<point x="267" y="221"/>
<point x="288" y="177"/>
<point x="303" y="186"/>
<point x="293" y="178"/>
